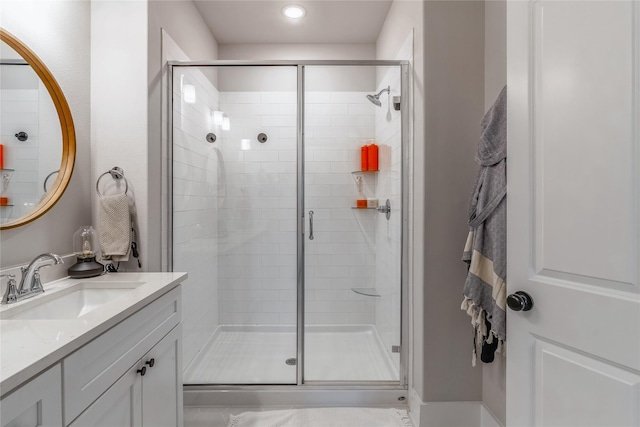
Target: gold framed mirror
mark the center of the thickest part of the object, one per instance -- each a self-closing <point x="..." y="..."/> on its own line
<point x="52" y="191"/>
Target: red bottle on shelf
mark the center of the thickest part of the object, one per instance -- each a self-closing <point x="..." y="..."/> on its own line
<point x="372" y="154"/>
<point x="364" y="158"/>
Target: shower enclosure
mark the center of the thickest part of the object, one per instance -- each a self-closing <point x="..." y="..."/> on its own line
<point x="290" y="283"/>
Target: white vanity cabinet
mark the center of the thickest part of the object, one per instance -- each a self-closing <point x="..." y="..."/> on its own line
<point x="131" y="374"/>
<point x="37" y="403"/>
<point x="125" y="373"/>
<point x="152" y="399"/>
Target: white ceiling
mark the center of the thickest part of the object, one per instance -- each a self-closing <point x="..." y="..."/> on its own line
<point x="327" y="21"/>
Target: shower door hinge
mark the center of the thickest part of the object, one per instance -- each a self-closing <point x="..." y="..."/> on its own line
<point x="395" y="349"/>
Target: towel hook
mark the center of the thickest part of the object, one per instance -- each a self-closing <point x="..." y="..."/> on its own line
<point x="116" y="173"/>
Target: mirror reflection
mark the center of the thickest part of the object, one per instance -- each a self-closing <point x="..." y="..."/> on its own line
<point x="30" y="137"/>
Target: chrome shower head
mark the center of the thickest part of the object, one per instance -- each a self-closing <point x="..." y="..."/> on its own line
<point x="375" y="99"/>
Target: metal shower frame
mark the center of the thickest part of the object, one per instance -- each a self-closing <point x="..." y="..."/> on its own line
<point x="402" y="384"/>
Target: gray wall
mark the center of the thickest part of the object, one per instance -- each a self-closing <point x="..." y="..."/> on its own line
<point x="454" y="94"/>
<point x="61" y="41"/>
<point x="495" y="77"/>
<point x="186" y="27"/>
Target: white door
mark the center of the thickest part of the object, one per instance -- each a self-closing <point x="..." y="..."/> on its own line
<point x="573" y="213"/>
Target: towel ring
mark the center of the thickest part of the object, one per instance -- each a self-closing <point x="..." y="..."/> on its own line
<point x="47" y="180"/>
<point x="116" y="173"/>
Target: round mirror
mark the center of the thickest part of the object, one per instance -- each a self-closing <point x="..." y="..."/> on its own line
<point x="37" y="137"/>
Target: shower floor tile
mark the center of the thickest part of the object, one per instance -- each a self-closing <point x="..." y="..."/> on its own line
<point x="257" y="355"/>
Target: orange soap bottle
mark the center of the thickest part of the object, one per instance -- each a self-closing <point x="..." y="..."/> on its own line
<point x="372" y="154"/>
<point x="364" y="158"/>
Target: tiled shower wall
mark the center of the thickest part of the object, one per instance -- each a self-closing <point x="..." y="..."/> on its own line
<point x="342" y="254"/>
<point x="257" y="221"/>
<point x="197" y="173"/>
<point x="257" y="214"/>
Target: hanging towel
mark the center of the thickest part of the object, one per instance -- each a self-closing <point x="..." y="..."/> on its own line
<point x="114" y="227"/>
<point x="485" y="251"/>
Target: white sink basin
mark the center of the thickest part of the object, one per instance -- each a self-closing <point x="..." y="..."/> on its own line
<point x="68" y="303"/>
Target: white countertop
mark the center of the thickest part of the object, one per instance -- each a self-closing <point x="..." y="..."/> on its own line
<point x="27" y="347"/>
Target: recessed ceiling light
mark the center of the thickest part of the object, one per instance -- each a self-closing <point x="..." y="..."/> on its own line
<point x="294" y="11"/>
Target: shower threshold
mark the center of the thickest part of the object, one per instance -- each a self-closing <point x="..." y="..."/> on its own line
<point x="247" y="354"/>
<point x="295" y="396"/>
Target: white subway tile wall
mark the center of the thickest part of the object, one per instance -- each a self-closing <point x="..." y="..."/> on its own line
<point x="197" y="194"/>
<point x="257" y="217"/>
<point x="342" y="254"/>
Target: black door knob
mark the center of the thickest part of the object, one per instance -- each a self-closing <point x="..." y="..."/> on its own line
<point x="151" y="362"/>
<point x="142" y="371"/>
<point x="520" y="301"/>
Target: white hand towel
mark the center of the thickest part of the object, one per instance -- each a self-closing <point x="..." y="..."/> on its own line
<point x="114" y="227"/>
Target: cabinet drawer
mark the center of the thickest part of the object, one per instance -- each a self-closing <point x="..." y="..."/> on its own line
<point x="91" y="370"/>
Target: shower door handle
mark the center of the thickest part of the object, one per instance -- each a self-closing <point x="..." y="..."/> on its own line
<point x="310" y="225"/>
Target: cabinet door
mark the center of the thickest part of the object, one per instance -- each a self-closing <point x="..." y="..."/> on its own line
<point x="119" y="406"/>
<point x="162" y="385"/>
<point x="37" y="403"/>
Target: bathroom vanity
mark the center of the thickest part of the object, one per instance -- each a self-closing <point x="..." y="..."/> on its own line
<point x="95" y="352"/>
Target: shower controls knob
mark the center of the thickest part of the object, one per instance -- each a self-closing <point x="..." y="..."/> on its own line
<point x="520" y="301"/>
<point x="142" y="371"/>
<point x="151" y="362"/>
<point x="22" y="136"/>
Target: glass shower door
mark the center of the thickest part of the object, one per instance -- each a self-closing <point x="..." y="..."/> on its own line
<point x="353" y="256"/>
<point x="234" y="222"/>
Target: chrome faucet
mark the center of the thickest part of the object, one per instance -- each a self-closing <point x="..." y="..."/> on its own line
<point x="30" y="284"/>
<point x="11" y="293"/>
